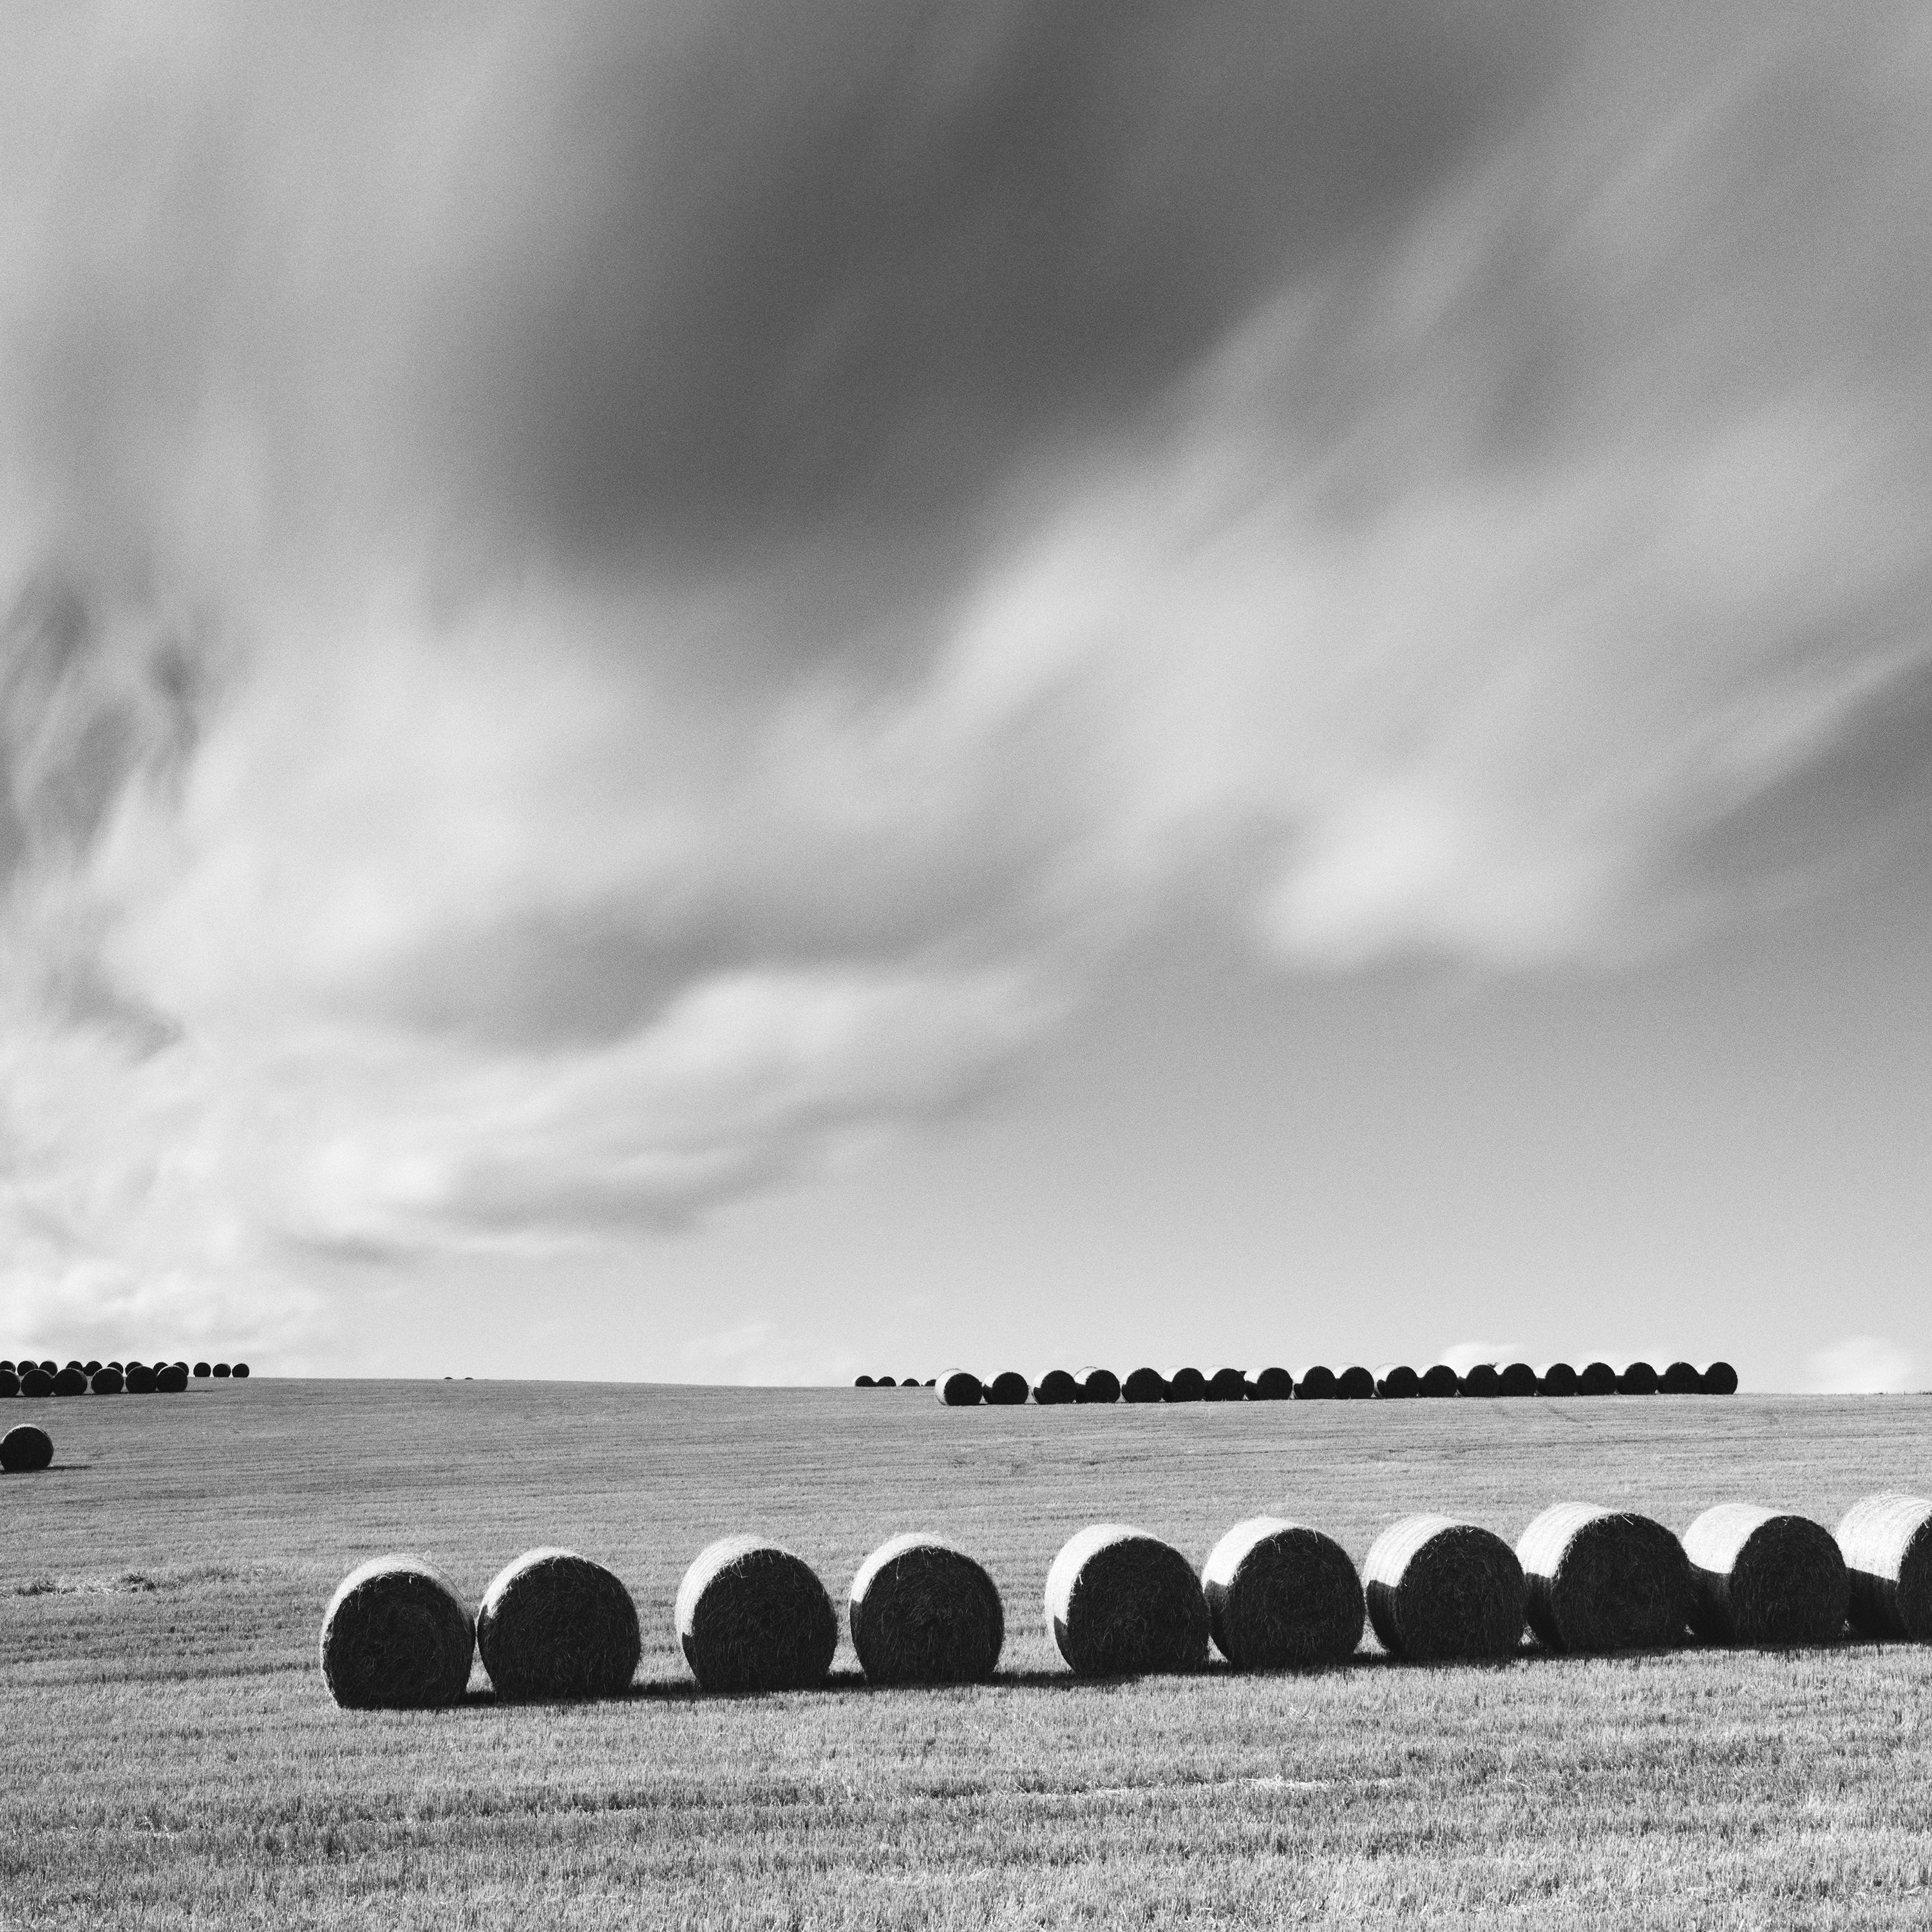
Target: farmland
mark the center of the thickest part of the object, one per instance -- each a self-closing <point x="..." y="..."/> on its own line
<point x="172" y="1758"/>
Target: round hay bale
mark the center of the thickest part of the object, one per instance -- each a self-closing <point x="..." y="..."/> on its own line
<point x="1762" y="1578"/>
<point x="1441" y="1591"/>
<point x="171" y="1380"/>
<point x="1008" y="1389"/>
<point x="1559" y="1378"/>
<point x="1602" y="1579"/>
<point x="1227" y="1385"/>
<point x="1145" y="1385"/>
<point x="1598" y="1378"/>
<point x="1886" y="1542"/>
<point x="1317" y="1384"/>
<point x="105" y="1381"/>
<point x="139" y="1378"/>
<point x="90" y="1369"/>
<point x="1100" y="1385"/>
<point x="1396" y="1381"/>
<point x="37" y="1382"/>
<point x="1481" y="1379"/>
<point x="25" y="1449"/>
<point x="960" y="1388"/>
<point x="1122" y="1603"/>
<point x="10" y="1384"/>
<point x="6" y="1367"/>
<point x="886" y="1381"/>
<point x="71" y="1382"/>
<point x="1274" y="1385"/>
<point x="1186" y="1385"/>
<point x="922" y="1612"/>
<point x="554" y="1625"/>
<point x="1281" y="1596"/>
<point x="1639" y="1379"/>
<point x="1055" y="1386"/>
<point x="222" y="1372"/>
<point x="396" y="1637"/>
<point x="1720" y="1378"/>
<point x="1517" y="1379"/>
<point x="1439" y="1381"/>
<point x="751" y="1616"/>
<point x="202" y="1371"/>
<point x="240" y="1371"/>
<point x="75" y="1362"/>
<point x="1680" y="1378"/>
<point x="1355" y="1384"/>
<point x="52" y="1366"/>
<point x="862" y="1382"/>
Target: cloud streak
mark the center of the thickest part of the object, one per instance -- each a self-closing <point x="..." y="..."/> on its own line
<point x="613" y="601"/>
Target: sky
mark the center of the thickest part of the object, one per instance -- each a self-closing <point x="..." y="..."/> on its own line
<point x="729" y="692"/>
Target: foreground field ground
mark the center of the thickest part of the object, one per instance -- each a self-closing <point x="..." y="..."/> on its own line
<point x="170" y="1757"/>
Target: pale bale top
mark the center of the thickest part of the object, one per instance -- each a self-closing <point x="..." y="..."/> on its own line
<point x="1075" y="1553"/>
<point x="493" y="1597"/>
<point x="896" y="1545"/>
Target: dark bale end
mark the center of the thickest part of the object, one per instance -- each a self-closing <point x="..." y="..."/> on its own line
<point x="1886" y="1542"/>
<point x="1145" y="1385"/>
<point x="1186" y="1385"/>
<point x="222" y="1372"/>
<point x="1639" y="1379"/>
<point x="1598" y="1378"/>
<point x="241" y="1372"/>
<point x="202" y="1371"/>
<point x="1518" y="1379"/>
<point x="24" y="1450"/>
<point x="554" y="1625"/>
<point x="10" y="1384"/>
<point x="1227" y="1385"/>
<point x="1760" y="1578"/>
<point x="171" y="1380"/>
<point x="1440" y="1590"/>
<point x="1056" y="1387"/>
<point x="1281" y="1596"/>
<point x="90" y="1369"/>
<point x="1008" y="1389"/>
<point x="37" y="1382"/>
<point x="1399" y="1383"/>
<point x="923" y="1612"/>
<point x="1438" y="1382"/>
<point x="1317" y="1385"/>
<point x="886" y="1381"/>
<point x="105" y="1381"/>
<point x="1274" y="1385"/>
<point x="1559" y="1378"/>
<point x="140" y="1379"/>
<point x="396" y="1637"/>
<point x="1482" y="1380"/>
<point x="71" y="1382"/>
<point x="1720" y="1378"/>
<point x="959" y="1388"/>
<point x="1100" y="1385"/>
<point x="862" y="1382"/>
<point x="751" y="1616"/>
<point x="1355" y="1384"/>
<point x="1121" y="1603"/>
<point x="1601" y="1579"/>
<point x="1680" y="1378"/>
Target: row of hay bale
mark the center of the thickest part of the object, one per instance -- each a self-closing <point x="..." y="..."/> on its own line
<point x="960" y="1388"/>
<point x="1273" y="1594"/>
<point x="48" y="1378"/>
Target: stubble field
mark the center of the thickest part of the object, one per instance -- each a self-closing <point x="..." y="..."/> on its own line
<point x="171" y="1759"/>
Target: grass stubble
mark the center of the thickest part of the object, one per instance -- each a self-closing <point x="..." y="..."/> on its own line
<point x="172" y="1759"/>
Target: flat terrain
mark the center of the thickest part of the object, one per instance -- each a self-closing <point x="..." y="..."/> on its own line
<point x="170" y="1757"/>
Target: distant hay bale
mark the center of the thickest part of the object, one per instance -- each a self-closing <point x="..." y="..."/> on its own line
<point x="1680" y="1378"/>
<point x="1145" y="1385"/>
<point x="1120" y="1603"/>
<point x="1355" y="1384"/>
<point x="1100" y="1385"/>
<point x="886" y="1381"/>
<point x="1597" y="1378"/>
<point x="37" y="1382"/>
<point x="1186" y="1385"/>
<point x="1517" y="1379"/>
<point x="90" y="1369"/>
<point x="751" y="1616"/>
<point x="202" y="1371"/>
<point x="1055" y="1386"/>
<point x="1639" y="1379"/>
<point x="105" y="1381"/>
<point x="1274" y="1384"/>
<point x="240" y="1371"/>
<point x="139" y="1379"/>
<point x="1480" y="1379"/>
<point x="1441" y="1591"/>
<point x="171" y="1380"/>
<point x="922" y="1612"/>
<point x="1559" y="1378"/>
<point x="1760" y="1577"/>
<point x="1281" y="1596"/>
<point x="1886" y="1542"/>
<point x="1396" y="1381"/>
<point x="396" y="1637"/>
<point x="1227" y="1385"/>
<point x="1317" y="1384"/>
<point x="863" y="1381"/>
<point x="1720" y="1378"/>
<point x="10" y="1384"/>
<point x="71" y="1382"/>
<point x="222" y="1372"/>
<point x="960" y="1388"/>
<point x="554" y="1624"/>
<point x="1008" y="1389"/>
<point x="1601" y="1580"/>
<point x="25" y="1449"/>
<point x="1437" y="1380"/>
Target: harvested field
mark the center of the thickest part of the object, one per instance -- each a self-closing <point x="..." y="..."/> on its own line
<point x="175" y="1759"/>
